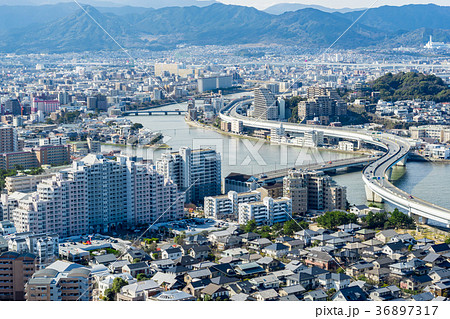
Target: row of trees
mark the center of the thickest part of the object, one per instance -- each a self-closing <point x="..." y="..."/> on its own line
<point x="330" y="220"/>
<point x="288" y="228"/>
<point x="395" y="219"/>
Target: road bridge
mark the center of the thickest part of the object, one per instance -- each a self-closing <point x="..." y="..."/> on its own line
<point x="376" y="175"/>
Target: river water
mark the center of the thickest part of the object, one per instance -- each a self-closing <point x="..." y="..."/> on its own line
<point x="425" y="180"/>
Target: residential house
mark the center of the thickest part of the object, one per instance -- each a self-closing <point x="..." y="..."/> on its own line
<point x="173" y="295"/>
<point x="440" y="249"/>
<point x="296" y="290"/>
<point x="394" y="248"/>
<point x="306" y="280"/>
<point x="137" y="268"/>
<point x="321" y="259"/>
<point x="385" y="293"/>
<point x="415" y="282"/>
<point x="386" y="235"/>
<point x="354" y="293"/>
<point x="276" y="250"/>
<point x="249" y="270"/>
<point x="259" y="244"/>
<point x="268" y="263"/>
<point x="294" y="244"/>
<point x="365" y="234"/>
<point x="139" y="291"/>
<point x="214" y="292"/>
<point x="171" y="253"/>
<point x="266" y="295"/>
<point x="315" y="295"/>
<point x="266" y="282"/>
<point x="334" y="281"/>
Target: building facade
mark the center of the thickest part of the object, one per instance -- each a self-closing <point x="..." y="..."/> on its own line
<point x="196" y="172"/>
<point x="15" y="269"/>
<point x="269" y="211"/>
<point x="97" y="194"/>
<point x="314" y="191"/>
<point x="227" y="206"/>
<point x="265" y="106"/>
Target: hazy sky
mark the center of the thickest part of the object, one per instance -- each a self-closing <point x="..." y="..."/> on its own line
<point x="262" y="4"/>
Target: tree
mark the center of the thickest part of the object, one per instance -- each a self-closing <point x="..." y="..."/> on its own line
<point x="375" y="220"/>
<point x="250" y="226"/>
<point x="137" y="126"/>
<point x="179" y="240"/>
<point x="109" y="295"/>
<point x="400" y="220"/>
<point x="141" y="277"/>
<point x="331" y="220"/>
<point x="277" y="227"/>
<point x="290" y="227"/>
<point x="118" y="283"/>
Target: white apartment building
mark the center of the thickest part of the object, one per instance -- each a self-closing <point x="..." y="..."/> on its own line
<point x="196" y="172"/>
<point x="60" y="281"/>
<point x="346" y="146"/>
<point x="237" y="126"/>
<point x="269" y="211"/>
<point x="53" y="140"/>
<point x="437" y="151"/>
<point x="97" y="194"/>
<point x="9" y="203"/>
<point x="265" y="106"/>
<point x="24" y="183"/>
<point x="44" y="246"/>
<point x="227" y="206"/>
<point x="438" y="132"/>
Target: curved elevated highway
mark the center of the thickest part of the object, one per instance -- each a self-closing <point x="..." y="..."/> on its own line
<point x="376" y="175"/>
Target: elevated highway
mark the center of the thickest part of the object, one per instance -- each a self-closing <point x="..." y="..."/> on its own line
<point x="323" y="167"/>
<point x="376" y="175"/>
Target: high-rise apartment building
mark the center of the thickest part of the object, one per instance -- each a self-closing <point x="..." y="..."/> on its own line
<point x="60" y="281"/>
<point x="8" y="139"/>
<point x="13" y="107"/>
<point x="198" y="172"/>
<point x="265" y="106"/>
<point x="214" y="83"/>
<point x="44" y="246"/>
<point x="322" y="103"/>
<point x="97" y="194"/>
<point x="45" y="106"/>
<point x="313" y="191"/>
<point x="15" y="269"/>
<point x="269" y="211"/>
<point x="227" y="206"/>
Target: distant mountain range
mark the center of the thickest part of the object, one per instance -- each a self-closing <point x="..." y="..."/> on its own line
<point x="65" y="27"/>
<point x="281" y="8"/>
<point x="155" y="4"/>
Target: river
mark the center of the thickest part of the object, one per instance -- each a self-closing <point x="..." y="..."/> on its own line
<point x="421" y="179"/>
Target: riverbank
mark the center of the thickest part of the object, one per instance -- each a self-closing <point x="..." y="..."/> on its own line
<point x="159" y="145"/>
<point x="419" y="158"/>
<point x="215" y="129"/>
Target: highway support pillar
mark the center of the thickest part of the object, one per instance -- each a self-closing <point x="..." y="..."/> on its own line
<point x="389" y="174"/>
<point x="418" y="219"/>
<point x="372" y="196"/>
<point x="402" y="162"/>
